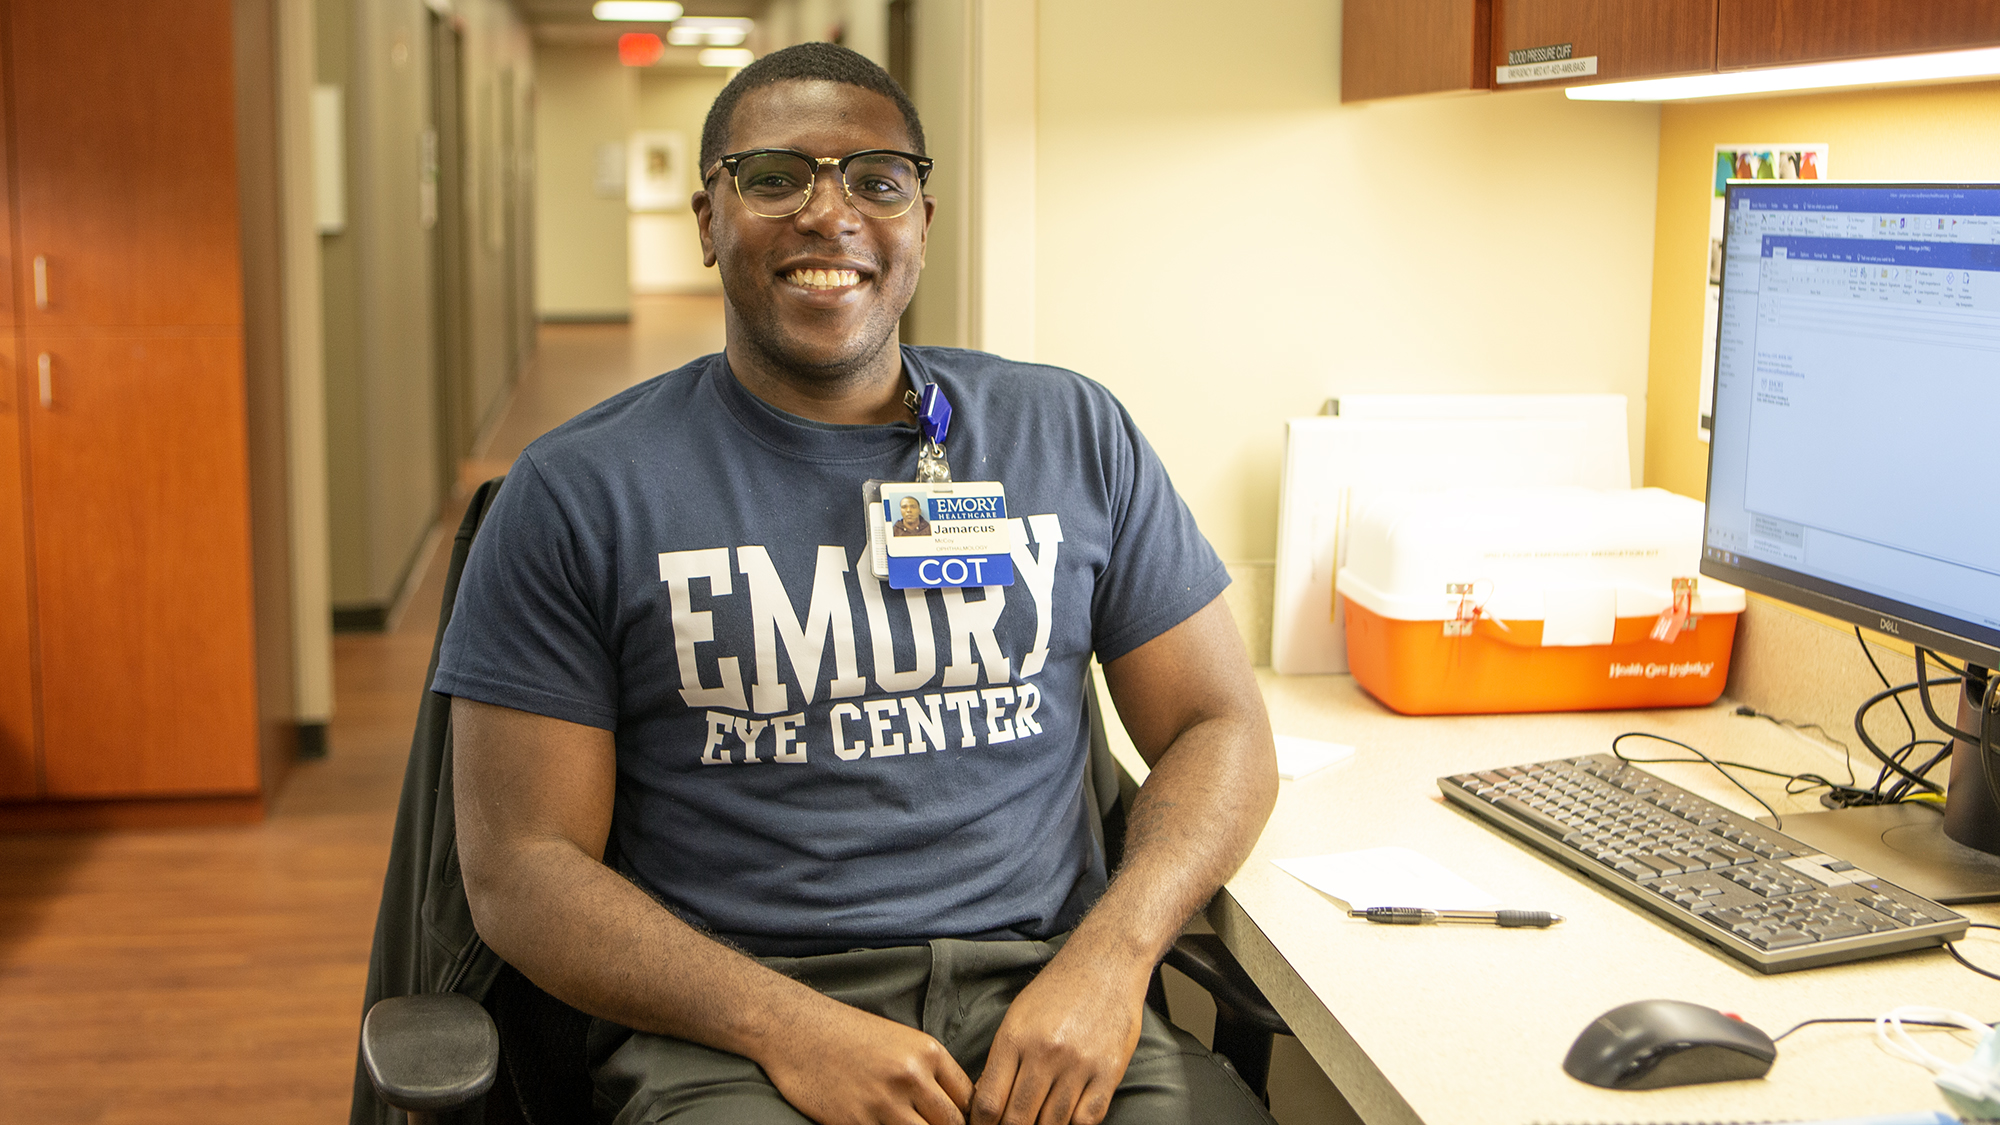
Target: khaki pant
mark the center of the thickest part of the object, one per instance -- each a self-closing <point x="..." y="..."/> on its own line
<point x="957" y="992"/>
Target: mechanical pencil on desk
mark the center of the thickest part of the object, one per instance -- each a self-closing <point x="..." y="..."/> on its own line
<point x="1417" y="916"/>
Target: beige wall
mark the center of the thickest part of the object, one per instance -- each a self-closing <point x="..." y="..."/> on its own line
<point x="677" y="100"/>
<point x="382" y="399"/>
<point x="862" y="24"/>
<point x="1225" y="245"/>
<point x="939" y="313"/>
<point x="381" y="426"/>
<point x="498" y="83"/>
<point x="585" y="99"/>
<point x="1929" y="133"/>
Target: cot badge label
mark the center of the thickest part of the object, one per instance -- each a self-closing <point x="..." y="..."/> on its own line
<point x="934" y="535"/>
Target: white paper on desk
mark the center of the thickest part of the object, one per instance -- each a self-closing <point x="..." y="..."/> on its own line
<point x="1298" y="757"/>
<point x="1386" y="877"/>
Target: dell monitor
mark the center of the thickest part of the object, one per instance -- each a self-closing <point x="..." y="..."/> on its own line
<point x="1855" y="438"/>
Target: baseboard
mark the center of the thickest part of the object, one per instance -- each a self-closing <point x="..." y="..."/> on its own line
<point x="312" y="742"/>
<point x="587" y="318"/>
<point x="360" y="618"/>
<point x="144" y="813"/>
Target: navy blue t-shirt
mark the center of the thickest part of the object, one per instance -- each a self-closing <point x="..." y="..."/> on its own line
<point x="808" y="760"/>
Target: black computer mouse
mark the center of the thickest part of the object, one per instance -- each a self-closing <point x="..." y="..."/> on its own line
<point x="1653" y="1043"/>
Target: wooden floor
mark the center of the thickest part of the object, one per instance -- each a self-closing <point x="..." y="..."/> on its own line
<point x="211" y="975"/>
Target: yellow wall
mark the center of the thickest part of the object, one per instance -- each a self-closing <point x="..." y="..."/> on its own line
<point x="1927" y="133"/>
<point x="1224" y="244"/>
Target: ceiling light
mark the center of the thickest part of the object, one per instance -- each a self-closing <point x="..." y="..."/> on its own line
<point x="703" y="37"/>
<point x="710" y="31"/>
<point x="726" y="56"/>
<point x="1983" y="63"/>
<point x="637" y="11"/>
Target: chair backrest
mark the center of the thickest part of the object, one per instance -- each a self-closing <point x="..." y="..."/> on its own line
<point x="424" y="937"/>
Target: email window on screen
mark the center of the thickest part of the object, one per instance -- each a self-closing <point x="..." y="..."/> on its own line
<point x="1855" y="338"/>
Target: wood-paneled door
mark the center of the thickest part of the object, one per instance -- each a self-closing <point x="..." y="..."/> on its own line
<point x="142" y="566"/>
<point x="19" y="776"/>
<point x="19" y="751"/>
<point x="124" y="136"/>
<point x="1784" y="32"/>
<point x="1392" y="48"/>
<point x="130" y="398"/>
<point x="1628" y="40"/>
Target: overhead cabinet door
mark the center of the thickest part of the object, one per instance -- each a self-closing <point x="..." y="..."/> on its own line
<point x="125" y="146"/>
<point x="1618" y="39"/>
<point x="1783" y="32"/>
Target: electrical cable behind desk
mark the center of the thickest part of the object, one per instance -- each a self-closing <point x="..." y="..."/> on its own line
<point x="1763" y="897"/>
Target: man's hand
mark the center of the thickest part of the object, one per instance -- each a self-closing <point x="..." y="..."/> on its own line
<point x="1063" y="1047"/>
<point x="1191" y="705"/>
<point x="534" y="799"/>
<point x="850" y="1067"/>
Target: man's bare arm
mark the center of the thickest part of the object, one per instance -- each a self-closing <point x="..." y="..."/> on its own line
<point x="533" y="797"/>
<point x="1191" y="705"/>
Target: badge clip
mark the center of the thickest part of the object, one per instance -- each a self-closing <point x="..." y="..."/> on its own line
<point x="933" y="413"/>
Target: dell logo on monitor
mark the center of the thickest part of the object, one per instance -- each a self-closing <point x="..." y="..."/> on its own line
<point x="1889" y="627"/>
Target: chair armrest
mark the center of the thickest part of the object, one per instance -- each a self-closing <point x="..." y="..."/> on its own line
<point x="429" y="1052"/>
<point x="1203" y="959"/>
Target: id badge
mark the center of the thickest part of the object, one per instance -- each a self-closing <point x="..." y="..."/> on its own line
<point x="940" y="534"/>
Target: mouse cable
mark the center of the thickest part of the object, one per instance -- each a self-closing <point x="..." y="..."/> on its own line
<point x="1952" y="948"/>
<point x="1853" y="1019"/>
<point x="1795" y="783"/>
<point x="1799" y="729"/>
<point x="1615" y="752"/>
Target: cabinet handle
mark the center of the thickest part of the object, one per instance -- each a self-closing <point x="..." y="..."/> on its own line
<point x="48" y="381"/>
<point x="41" y="281"/>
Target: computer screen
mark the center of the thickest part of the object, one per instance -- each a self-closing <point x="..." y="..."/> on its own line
<point x="1854" y="465"/>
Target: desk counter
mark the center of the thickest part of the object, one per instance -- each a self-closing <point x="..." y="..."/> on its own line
<point x="1448" y="1024"/>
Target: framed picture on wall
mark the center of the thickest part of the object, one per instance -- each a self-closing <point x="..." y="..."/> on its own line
<point x="656" y="177"/>
<point x="1795" y="161"/>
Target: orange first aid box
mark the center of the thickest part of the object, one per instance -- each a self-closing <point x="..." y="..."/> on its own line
<point x="1533" y="599"/>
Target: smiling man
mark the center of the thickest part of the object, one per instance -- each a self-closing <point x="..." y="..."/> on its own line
<point x="809" y="844"/>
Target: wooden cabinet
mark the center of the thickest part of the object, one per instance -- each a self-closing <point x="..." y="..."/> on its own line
<point x="19" y="776"/>
<point x="1649" y="40"/>
<point x="1784" y="32"/>
<point x="142" y="566"/>
<point x="124" y="492"/>
<point x="125" y="141"/>
<point x="1393" y="48"/>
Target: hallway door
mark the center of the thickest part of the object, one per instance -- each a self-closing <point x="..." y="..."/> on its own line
<point x="457" y="403"/>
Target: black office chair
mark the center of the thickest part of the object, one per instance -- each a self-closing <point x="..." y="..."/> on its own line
<point x="454" y="1034"/>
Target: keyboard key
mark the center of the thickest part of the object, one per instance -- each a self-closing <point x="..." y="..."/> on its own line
<point x="1535" y="818"/>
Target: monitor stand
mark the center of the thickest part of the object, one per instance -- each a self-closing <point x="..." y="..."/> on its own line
<point x="1907" y="843"/>
<point x="1904" y="844"/>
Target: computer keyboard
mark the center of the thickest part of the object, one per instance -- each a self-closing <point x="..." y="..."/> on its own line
<point x="1764" y="897"/>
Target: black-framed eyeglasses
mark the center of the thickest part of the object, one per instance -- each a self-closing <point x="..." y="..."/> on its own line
<point x="777" y="183"/>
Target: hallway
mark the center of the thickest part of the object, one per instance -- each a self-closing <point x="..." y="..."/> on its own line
<point x="199" y="975"/>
